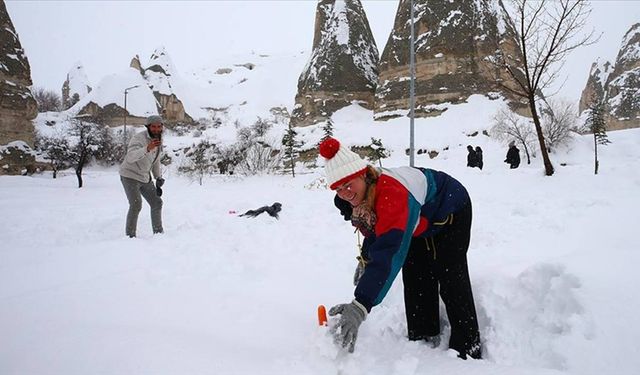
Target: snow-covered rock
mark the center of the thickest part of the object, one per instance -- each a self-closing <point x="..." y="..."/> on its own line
<point x="76" y="86"/>
<point x="454" y="42"/>
<point x="17" y="105"/>
<point x="618" y="85"/>
<point x="343" y="66"/>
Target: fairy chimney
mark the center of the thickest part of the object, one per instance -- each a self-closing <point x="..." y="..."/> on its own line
<point x="17" y="105"/>
<point x="455" y="42"/>
<point x="343" y="66"/>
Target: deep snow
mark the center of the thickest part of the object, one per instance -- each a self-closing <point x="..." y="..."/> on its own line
<point x="552" y="260"/>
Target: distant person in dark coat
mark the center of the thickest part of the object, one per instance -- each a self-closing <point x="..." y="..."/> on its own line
<point x="472" y="158"/>
<point x="513" y="156"/>
<point x="479" y="162"/>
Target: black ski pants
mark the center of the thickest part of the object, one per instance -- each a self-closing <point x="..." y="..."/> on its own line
<point x="438" y="265"/>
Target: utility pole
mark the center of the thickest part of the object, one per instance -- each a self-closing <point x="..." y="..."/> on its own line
<point x="125" y="116"/>
<point x="412" y="88"/>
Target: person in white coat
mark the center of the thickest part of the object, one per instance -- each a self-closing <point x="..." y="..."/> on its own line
<point x="140" y="163"/>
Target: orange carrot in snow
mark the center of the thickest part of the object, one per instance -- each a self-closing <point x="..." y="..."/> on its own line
<point x="322" y="315"/>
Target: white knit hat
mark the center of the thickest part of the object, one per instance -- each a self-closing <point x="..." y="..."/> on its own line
<point x="341" y="164"/>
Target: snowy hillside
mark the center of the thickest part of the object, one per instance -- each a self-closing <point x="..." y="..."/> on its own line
<point x="552" y="261"/>
<point x="238" y="87"/>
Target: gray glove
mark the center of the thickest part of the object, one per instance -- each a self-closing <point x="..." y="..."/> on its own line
<point x="358" y="273"/>
<point x="345" y="331"/>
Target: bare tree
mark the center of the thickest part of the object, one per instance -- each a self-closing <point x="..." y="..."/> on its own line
<point x="509" y="126"/>
<point x="48" y="101"/>
<point x="559" y="118"/>
<point x="547" y="31"/>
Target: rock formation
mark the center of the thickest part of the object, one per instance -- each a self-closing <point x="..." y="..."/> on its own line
<point x="454" y="42"/>
<point x="150" y="90"/>
<point x="618" y="85"/>
<point x="17" y="105"/>
<point x="623" y="85"/>
<point x="594" y="90"/>
<point x="159" y="74"/>
<point x="75" y="87"/>
<point x="343" y="65"/>
<point x="135" y="64"/>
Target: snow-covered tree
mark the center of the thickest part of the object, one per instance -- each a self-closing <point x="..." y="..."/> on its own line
<point x="256" y="149"/>
<point x="200" y="160"/>
<point x="57" y="151"/>
<point x="378" y="151"/>
<point x="89" y="139"/>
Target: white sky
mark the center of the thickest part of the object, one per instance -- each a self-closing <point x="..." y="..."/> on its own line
<point x="105" y="35"/>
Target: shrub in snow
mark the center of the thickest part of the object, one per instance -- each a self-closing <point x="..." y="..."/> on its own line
<point x="199" y="161"/>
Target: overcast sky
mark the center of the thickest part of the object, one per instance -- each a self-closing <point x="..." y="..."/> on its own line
<point x="105" y="35"/>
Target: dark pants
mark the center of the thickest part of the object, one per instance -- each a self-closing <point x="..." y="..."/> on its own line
<point x="439" y="264"/>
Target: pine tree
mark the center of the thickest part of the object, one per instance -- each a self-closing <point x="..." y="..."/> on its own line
<point x="597" y="125"/>
<point x="378" y="152"/>
<point x="291" y="148"/>
<point x="327" y="129"/>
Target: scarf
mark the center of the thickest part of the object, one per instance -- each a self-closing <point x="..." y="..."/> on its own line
<point x="364" y="218"/>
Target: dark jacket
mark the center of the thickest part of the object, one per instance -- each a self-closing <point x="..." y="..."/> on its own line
<point x="513" y="157"/>
<point x="472" y="158"/>
<point x="410" y="202"/>
<point x="479" y="162"/>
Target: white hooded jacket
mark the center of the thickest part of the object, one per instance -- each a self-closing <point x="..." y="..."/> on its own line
<point x="139" y="163"/>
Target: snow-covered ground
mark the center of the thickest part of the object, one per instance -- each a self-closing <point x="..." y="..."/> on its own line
<point x="553" y="262"/>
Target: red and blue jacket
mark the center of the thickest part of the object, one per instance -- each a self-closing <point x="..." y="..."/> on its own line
<point x="410" y="202"/>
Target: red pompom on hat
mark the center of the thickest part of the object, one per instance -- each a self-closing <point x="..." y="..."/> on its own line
<point x="329" y="147"/>
<point x="341" y="164"/>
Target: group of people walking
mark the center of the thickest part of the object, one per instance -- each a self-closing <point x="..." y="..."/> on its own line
<point x="474" y="157"/>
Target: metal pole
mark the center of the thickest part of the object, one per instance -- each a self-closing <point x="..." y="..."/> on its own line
<point x="125" y="115"/>
<point x="412" y="88"/>
<point x="125" y="121"/>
